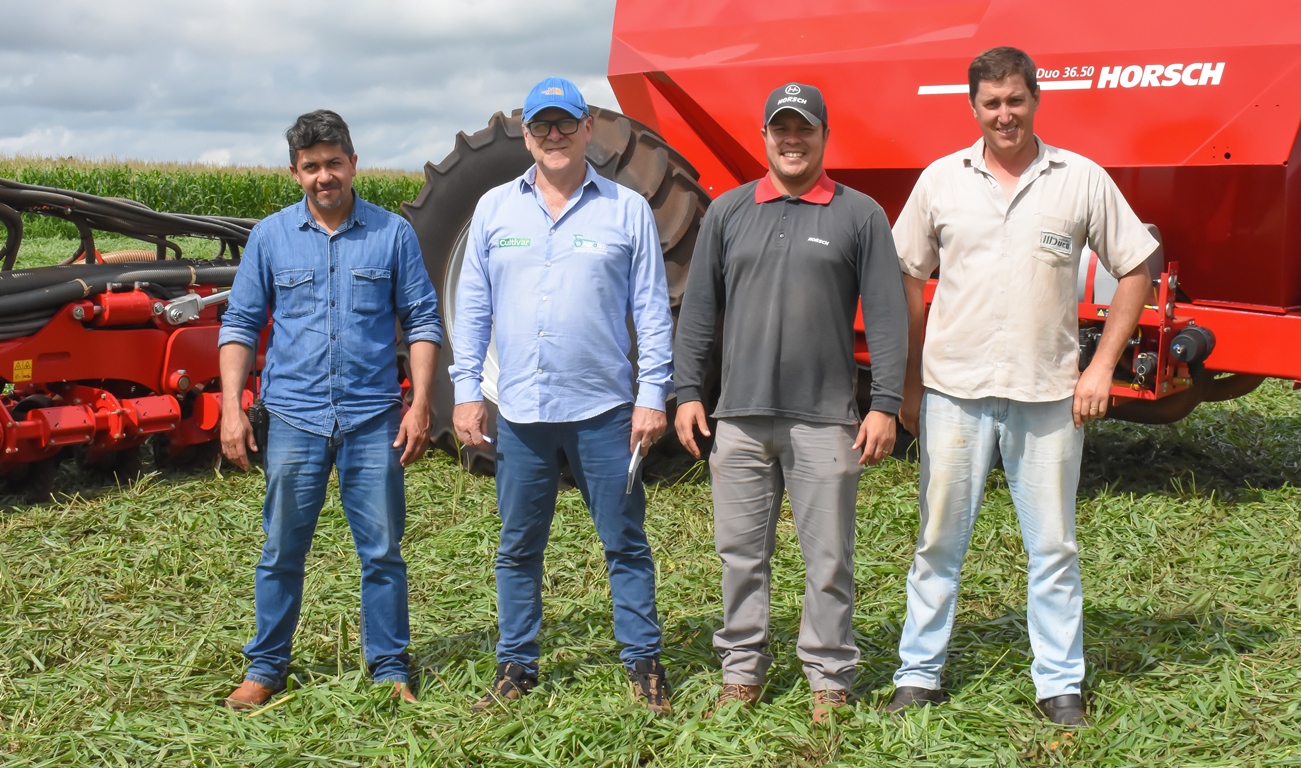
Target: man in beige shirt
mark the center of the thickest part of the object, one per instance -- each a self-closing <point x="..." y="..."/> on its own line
<point x="1006" y="222"/>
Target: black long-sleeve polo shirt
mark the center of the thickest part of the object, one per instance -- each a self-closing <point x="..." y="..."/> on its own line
<point x="785" y="275"/>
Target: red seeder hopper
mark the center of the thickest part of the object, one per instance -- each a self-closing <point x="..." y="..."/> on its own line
<point x="1192" y="106"/>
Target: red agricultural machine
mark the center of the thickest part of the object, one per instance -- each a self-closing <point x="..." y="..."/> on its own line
<point x="108" y="350"/>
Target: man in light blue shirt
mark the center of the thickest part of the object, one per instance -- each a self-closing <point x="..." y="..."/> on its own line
<point x="556" y="261"/>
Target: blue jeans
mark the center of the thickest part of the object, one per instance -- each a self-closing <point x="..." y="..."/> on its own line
<point x="1041" y="450"/>
<point x="298" y="464"/>
<point x="528" y="473"/>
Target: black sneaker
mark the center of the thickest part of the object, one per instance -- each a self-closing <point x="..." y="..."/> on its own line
<point x="907" y="695"/>
<point x="650" y="683"/>
<point x="513" y="681"/>
<point x="1063" y="710"/>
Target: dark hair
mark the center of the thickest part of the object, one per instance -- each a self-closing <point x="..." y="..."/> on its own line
<point x="319" y="127"/>
<point x="999" y="64"/>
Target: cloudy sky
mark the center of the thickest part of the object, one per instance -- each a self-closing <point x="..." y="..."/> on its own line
<point x="219" y="81"/>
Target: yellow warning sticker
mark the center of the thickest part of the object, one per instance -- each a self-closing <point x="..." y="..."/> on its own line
<point x="22" y="370"/>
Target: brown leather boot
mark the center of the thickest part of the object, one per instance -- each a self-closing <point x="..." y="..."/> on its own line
<point x="249" y="695"/>
<point x="825" y="701"/>
<point x="650" y="684"/>
<point x="748" y="695"/>
<point x="403" y="691"/>
<point x="513" y="681"/>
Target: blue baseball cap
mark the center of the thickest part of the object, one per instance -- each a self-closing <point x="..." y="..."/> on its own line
<point x="554" y="92"/>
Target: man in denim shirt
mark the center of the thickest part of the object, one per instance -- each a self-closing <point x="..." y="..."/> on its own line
<point x="336" y="274"/>
<point x="556" y="261"/>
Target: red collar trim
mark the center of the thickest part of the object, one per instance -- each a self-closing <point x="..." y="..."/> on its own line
<point x="820" y="194"/>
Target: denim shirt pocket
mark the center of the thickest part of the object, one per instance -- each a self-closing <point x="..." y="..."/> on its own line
<point x="372" y="289"/>
<point x="295" y="292"/>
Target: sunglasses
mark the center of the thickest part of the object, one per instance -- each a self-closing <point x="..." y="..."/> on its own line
<point x="540" y="129"/>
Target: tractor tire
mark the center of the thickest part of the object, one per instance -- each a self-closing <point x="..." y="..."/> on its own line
<point x="621" y="149"/>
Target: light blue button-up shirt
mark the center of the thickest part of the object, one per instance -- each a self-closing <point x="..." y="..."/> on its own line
<point x="335" y="301"/>
<point x="559" y="293"/>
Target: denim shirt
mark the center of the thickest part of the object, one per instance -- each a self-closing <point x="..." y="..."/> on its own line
<point x="557" y="295"/>
<point x="335" y="302"/>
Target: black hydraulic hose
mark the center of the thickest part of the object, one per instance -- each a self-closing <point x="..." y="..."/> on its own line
<point x="49" y="298"/>
<point x="13" y="223"/>
<point x="40" y="314"/>
<point x="217" y="275"/>
<point x="55" y="296"/>
<point x="23" y="280"/>
<point x="127" y="217"/>
<point x="25" y="328"/>
<point x="12" y="329"/>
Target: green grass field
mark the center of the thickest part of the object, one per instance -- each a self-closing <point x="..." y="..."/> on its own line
<point x="123" y="609"/>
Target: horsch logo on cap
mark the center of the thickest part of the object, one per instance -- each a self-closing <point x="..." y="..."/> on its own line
<point x="801" y="97"/>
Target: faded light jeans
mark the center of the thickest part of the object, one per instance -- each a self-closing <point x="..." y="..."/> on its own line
<point x="298" y="465"/>
<point x="1041" y="450"/>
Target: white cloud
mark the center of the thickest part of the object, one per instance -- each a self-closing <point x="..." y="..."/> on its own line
<point x="219" y="82"/>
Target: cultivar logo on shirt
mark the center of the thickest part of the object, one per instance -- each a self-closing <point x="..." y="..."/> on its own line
<point x="587" y="244"/>
<point x="513" y="242"/>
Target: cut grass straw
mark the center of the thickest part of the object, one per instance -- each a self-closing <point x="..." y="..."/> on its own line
<point x="122" y="612"/>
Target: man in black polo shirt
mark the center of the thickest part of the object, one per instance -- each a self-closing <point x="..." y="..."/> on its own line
<point x="784" y="260"/>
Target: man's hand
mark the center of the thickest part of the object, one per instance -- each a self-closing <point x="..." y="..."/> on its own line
<point x="233" y="360"/>
<point x="691" y="416"/>
<point x="1092" y="394"/>
<point x="911" y="409"/>
<point x="422" y="361"/>
<point x="875" y="437"/>
<point x="470" y="421"/>
<point x="1093" y="390"/>
<point x="236" y="436"/>
<point x="647" y="426"/>
<point x="414" y="433"/>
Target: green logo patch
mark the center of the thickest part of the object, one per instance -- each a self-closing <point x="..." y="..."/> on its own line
<point x="514" y="242"/>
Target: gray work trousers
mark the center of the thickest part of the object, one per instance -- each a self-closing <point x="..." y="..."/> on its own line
<point x="753" y="460"/>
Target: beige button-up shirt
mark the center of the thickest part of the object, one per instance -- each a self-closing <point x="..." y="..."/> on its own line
<point x="1004" y="321"/>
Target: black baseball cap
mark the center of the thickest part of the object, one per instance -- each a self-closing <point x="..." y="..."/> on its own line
<point x="804" y="99"/>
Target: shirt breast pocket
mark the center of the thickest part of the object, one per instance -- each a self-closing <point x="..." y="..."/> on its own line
<point x="295" y="292"/>
<point x="1057" y="241"/>
<point x="372" y="289"/>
